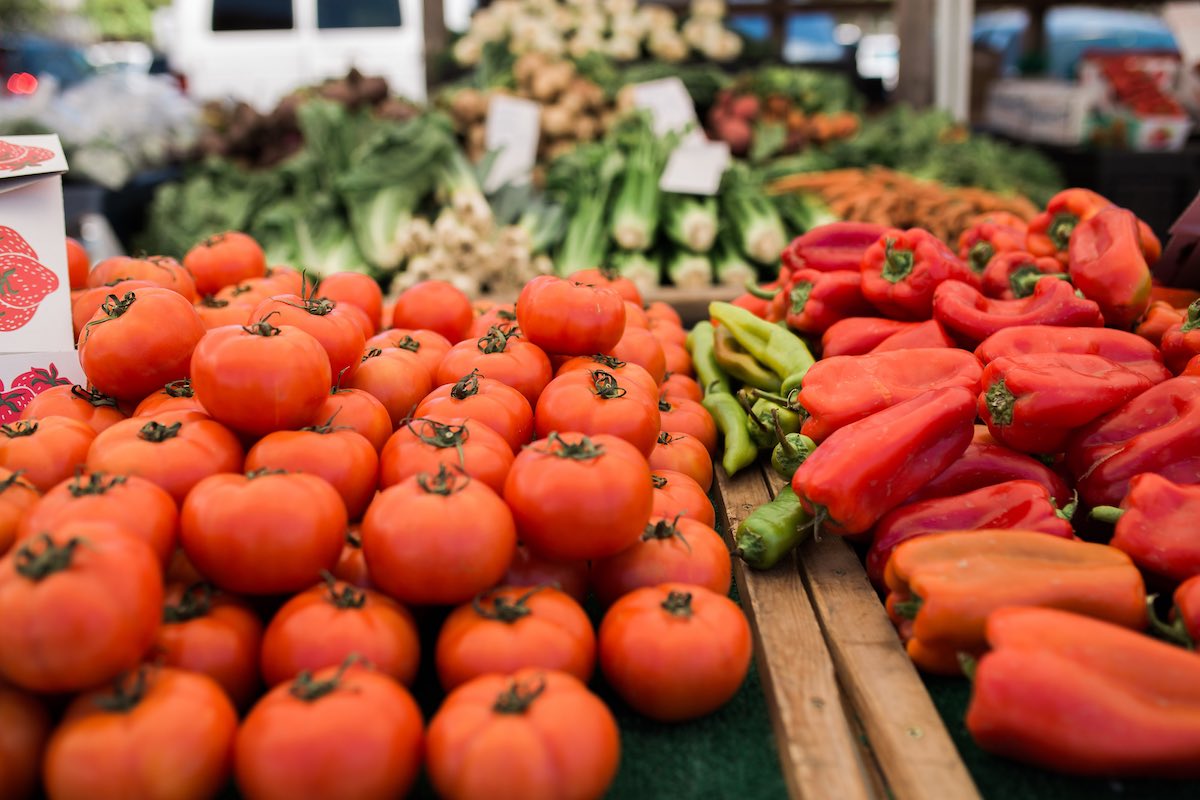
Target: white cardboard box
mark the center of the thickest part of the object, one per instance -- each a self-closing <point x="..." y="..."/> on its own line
<point x="1039" y="110"/>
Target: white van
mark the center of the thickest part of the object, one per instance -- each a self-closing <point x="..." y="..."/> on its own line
<point x="259" y="50"/>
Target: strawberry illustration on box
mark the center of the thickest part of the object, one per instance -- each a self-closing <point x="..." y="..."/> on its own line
<point x="14" y="156"/>
<point x="24" y="281"/>
<point x="20" y="383"/>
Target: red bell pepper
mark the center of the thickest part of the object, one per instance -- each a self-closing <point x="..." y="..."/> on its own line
<point x="1157" y="431"/>
<point x="990" y="237"/>
<point x="1024" y="505"/>
<point x="854" y="336"/>
<point x="1049" y="233"/>
<point x="753" y="303"/>
<point x="902" y="270"/>
<point x="816" y="300"/>
<point x="1033" y="403"/>
<point x="1187" y="613"/>
<point x="833" y="247"/>
<point x="1173" y="296"/>
<point x="1181" y="341"/>
<point x="1120" y="346"/>
<point x="1156" y="526"/>
<point x="1193" y="367"/>
<point x="1158" y="319"/>
<point x="971" y="317"/>
<point x="1106" y="264"/>
<point x="844" y="389"/>
<point x="1013" y="275"/>
<point x="986" y="462"/>
<point x="869" y="467"/>
<point x="1078" y="695"/>
<point x="921" y="335"/>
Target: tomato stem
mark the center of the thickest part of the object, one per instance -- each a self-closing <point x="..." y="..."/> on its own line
<point x="346" y="597"/>
<point x="52" y="558"/>
<point x="195" y="602"/>
<point x="666" y="529"/>
<point x="263" y="327"/>
<point x="467" y="386"/>
<point x="658" y="480"/>
<point x="24" y="427"/>
<point x="678" y="604"/>
<point x="516" y="699"/>
<point x="664" y="407"/>
<point x="97" y="399"/>
<point x="15" y="479"/>
<point x="408" y="343"/>
<point x="354" y="538"/>
<point x="612" y="362"/>
<point x="504" y="610"/>
<point x="443" y="483"/>
<point x="263" y="472"/>
<point x="96" y="484"/>
<point x="374" y="352"/>
<point x="306" y="689"/>
<point x="180" y="388"/>
<point x="124" y="697"/>
<point x="606" y="385"/>
<point x="583" y="450"/>
<point x="157" y="432"/>
<point x="495" y="340"/>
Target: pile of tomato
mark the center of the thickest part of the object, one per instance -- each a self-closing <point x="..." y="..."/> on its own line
<point x="214" y="555"/>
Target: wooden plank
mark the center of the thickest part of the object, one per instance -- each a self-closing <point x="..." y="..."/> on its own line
<point x="817" y="751"/>
<point x="907" y="735"/>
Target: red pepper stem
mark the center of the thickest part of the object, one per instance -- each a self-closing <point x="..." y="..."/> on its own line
<point x="753" y="289"/>
<point x="897" y="264"/>
<point x="968" y="664"/>
<point x="1106" y="514"/>
<point x="908" y="608"/>
<point x="1193" y="317"/>
<point x="1024" y="279"/>
<point x="1175" y="632"/>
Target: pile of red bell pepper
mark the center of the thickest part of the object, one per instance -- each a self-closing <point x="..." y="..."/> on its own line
<point x="979" y="410"/>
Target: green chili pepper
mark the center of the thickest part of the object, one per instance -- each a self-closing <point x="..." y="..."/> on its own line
<point x="758" y="427"/>
<point x="772" y="530"/>
<point x="790" y="453"/>
<point x="739" y="364"/>
<point x="792" y="383"/>
<point x="700" y="344"/>
<point x="791" y="415"/>
<point x="740" y="452"/>
<point x="770" y="344"/>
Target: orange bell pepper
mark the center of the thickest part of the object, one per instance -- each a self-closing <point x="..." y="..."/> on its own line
<point x="943" y="586"/>
<point x="1159" y="317"/>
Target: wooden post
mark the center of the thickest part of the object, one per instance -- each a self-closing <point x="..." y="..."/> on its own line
<point x="914" y="26"/>
<point x="433" y="17"/>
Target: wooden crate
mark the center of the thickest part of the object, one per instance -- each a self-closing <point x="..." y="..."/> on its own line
<point x="851" y="716"/>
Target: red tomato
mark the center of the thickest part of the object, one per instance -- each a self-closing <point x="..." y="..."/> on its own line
<point x="1192" y="367"/>
<point x="436" y="306"/>
<point x="678" y="359"/>
<point x="80" y="605"/>
<point x="78" y="264"/>
<point x="46" y="451"/>
<point x="679" y="494"/>
<point x="24" y="729"/>
<point x="86" y="303"/>
<point x="626" y="372"/>
<point x="176" y="396"/>
<point x="97" y="411"/>
<point x="663" y="311"/>
<point x="361" y="319"/>
<point x="527" y="569"/>
<point x="495" y="404"/>
<point x="214" y="634"/>
<point x="425" y="444"/>
<point x="248" y="293"/>
<point x="159" y="733"/>
<point x="167" y="450"/>
<point x="609" y="279"/>
<point x="223" y="260"/>
<point x="638" y="346"/>
<point x="218" y="313"/>
<point x="675" y="651"/>
<point x="134" y="345"/>
<point x="301" y="737"/>
<point x="512" y="628"/>
<point x="430" y="347"/>
<point x="342" y="457"/>
<point x="337" y="331"/>
<point x="161" y="271"/>
<point x="264" y="532"/>
<point x="570" y="318"/>
<point x="683" y="454"/>
<point x="594" y="402"/>
<point x="679" y="551"/>
<point x="358" y="411"/>
<point x="689" y="418"/>
<point x="356" y="289"/>
<point x="17" y="496"/>
<point x="396" y="378"/>
<point x="133" y="505"/>
<point x="635" y="317"/>
<point x="502" y="736"/>
<point x="261" y="378"/>
<point x="352" y="566"/>
<point x="668" y="332"/>
<point x="575" y="497"/>
<point x="680" y="387"/>
<point x="502" y="357"/>
<point x="437" y="538"/>
<point x="289" y="280"/>
<point x="501" y="315"/>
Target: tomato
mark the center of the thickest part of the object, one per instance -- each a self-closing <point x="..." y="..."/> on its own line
<point x="575" y="497"/>
<point x="175" y="396"/>
<point x="134" y="505"/>
<point x="675" y="651"/>
<point x="349" y="733"/>
<point x="436" y="306"/>
<point x="87" y="302"/>
<point x="638" y="346"/>
<point x="528" y="569"/>
<point x="668" y="332"/>
<point x="249" y="293"/>
<point x="342" y="457"/>
<point x="512" y="628"/>
<point x="396" y="378"/>
<point x="289" y="280"/>
<point x="680" y="387"/>
<point x="173" y="452"/>
<point x="96" y="410"/>
<point x="161" y="271"/>
<point x="570" y="318"/>
<point x="261" y="378"/>
<point x="180" y="570"/>
<point x="263" y="532"/>
<point x="501" y="315"/>
<point x="678" y="359"/>
<point x="355" y="289"/>
<point x="134" y="345"/>
<point x="495" y="404"/>
<point x="358" y="411"/>
<point x="635" y="317"/>
<point x="425" y="444"/>
<point x="679" y="494"/>
<point x="689" y="418"/>
<point x="352" y="566"/>
<point x="323" y="626"/>
<point x="24" y="729"/>
<point x="663" y="311"/>
<point x="626" y="372"/>
<point x="430" y="347"/>
<point x="595" y="402"/>
<point x="365" y="326"/>
<point x="78" y="264"/>
<point x="225" y="259"/>
<point x="17" y="496"/>
<point x="500" y="356"/>
<point x="47" y="451"/>
<point x="80" y="605"/>
<point x="535" y="733"/>
<point x="676" y="550"/>
<point x="160" y="733"/>
<point x="337" y="331"/>
<point x="214" y="634"/>
<point x="609" y="279"/>
<point x="437" y="538"/>
<point x="683" y="454"/>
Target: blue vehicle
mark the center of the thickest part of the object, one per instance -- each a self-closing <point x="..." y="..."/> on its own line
<point x="26" y="55"/>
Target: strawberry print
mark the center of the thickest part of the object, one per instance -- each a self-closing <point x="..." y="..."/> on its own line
<point x="23" y="281"/>
<point x="13" y="402"/>
<point x="12" y="319"/>
<point x="39" y="379"/>
<point x="26" y="157"/>
<point x="13" y="242"/>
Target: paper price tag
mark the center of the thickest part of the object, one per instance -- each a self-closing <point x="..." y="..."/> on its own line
<point x="695" y="167"/>
<point x="670" y="105"/>
<point x="511" y="131"/>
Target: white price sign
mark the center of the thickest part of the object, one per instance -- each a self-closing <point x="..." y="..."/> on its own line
<point x="695" y="167"/>
<point x="512" y="132"/>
